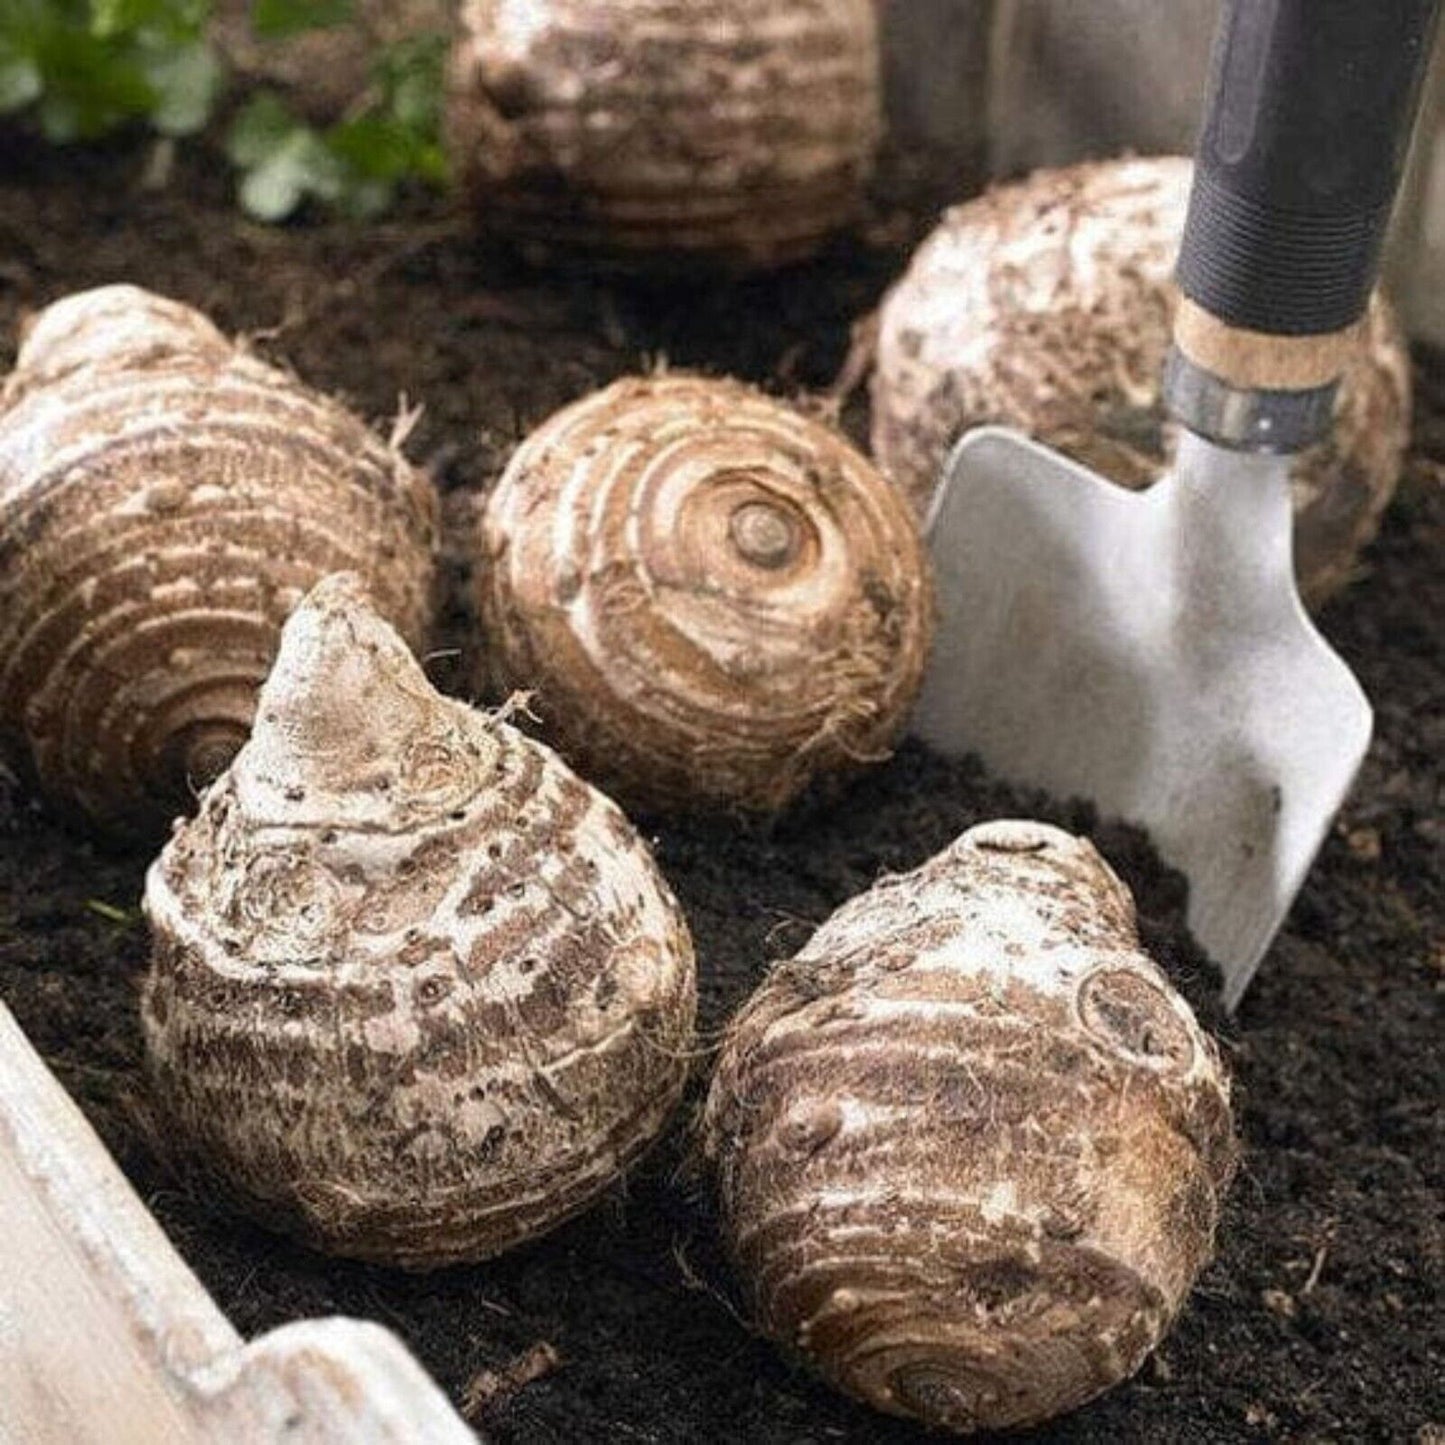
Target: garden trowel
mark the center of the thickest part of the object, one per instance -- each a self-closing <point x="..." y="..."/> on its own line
<point x="1149" y="651"/>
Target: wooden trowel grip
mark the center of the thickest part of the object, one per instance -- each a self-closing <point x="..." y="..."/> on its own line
<point x="1309" y="111"/>
<point x="1251" y="360"/>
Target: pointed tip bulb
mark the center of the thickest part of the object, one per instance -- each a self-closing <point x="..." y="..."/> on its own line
<point x="344" y="709"/>
<point x="344" y="686"/>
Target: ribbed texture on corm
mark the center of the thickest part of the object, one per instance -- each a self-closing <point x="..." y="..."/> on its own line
<point x="418" y="992"/>
<point x="739" y="131"/>
<point x="713" y="597"/>
<point x="165" y="501"/>
<point x="970" y="1146"/>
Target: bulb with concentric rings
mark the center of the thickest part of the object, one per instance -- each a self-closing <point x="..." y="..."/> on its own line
<point x="165" y="501"/>
<point x="736" y="132"/>
<point x="713" y="598"/>
<point x="970" y="1146"/>
<point x="418" y="992"/>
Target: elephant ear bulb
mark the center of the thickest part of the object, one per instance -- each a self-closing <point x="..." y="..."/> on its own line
<point x="970" y="1145"/>
<point x="1047" y="306"/>
<point x="735" y="133"/>
<point x="714" y="598"/>
<point x="418" y="993"/>
<point x="165" y="501"/>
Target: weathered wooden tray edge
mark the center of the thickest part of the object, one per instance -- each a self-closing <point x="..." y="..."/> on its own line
<point x="106" y="1335"/>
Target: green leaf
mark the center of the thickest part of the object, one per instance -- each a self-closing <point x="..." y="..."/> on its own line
<point x="430" y="164"/>
<point x="117" y="17"/>
<point x="186" y="82"/>
<point x="411" y="78"/>
<point x="417" y="101"/>
<point x="178" y="19"/>
<point x="302" y="167"/>
<point x="272" y="191"/>
<point x="87" y="66"/>
<point x="262" y="126"/>
<point x="373" y="145"/>
<point x="276" y="19"/>
<point x="284" y="161"/>
<point x="91" y="86"/>
<point x="396" y="138"/>
<point x="20" y="81"/>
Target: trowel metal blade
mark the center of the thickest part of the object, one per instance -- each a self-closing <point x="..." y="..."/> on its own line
<point x="1149" y="652"/>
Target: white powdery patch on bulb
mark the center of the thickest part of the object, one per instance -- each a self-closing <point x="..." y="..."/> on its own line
<point x="970" y="1144"/>
<point x="438" y="975"/>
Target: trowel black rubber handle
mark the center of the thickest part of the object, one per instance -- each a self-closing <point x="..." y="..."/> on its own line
<point x="1309" y="113"/>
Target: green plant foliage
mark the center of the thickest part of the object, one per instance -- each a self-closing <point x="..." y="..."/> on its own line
<point x="276" y="19"/>
<point x="357" y="164"/>
<point x="281" y="161"/>
<point x="88" y="66"/>
<point x="85" y="67"/>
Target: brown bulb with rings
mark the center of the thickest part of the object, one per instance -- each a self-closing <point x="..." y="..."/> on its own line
<point x="970" y="1146"/>
<point x="713" y="599"/>
<point x="418" y="993"/>
<point x="166" y="499"/>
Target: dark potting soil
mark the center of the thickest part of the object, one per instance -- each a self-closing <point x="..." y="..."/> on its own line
<point x="1322" y="1317"/>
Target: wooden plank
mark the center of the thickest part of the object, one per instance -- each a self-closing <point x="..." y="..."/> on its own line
<point x="107" y="1338"/>
<point x="55" y="1320"/>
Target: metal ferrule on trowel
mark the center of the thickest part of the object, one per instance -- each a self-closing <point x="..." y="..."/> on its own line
<point x="1149" y="651"/>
